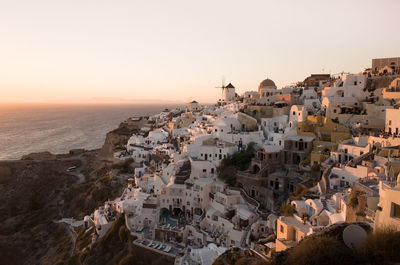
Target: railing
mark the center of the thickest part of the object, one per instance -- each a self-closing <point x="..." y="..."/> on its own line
<point x="370" y="214"/>
<point x="357" y="160"/>
<point x="247" y="197"/>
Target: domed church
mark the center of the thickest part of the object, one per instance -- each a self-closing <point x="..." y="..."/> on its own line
<point x="267" y="83"/>
<point x="266" y="87"/>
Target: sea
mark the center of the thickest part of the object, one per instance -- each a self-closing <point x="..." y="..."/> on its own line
<point x="58" y="128"/>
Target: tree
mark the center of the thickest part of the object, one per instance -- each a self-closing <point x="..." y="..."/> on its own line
<point x="287" y="209"/>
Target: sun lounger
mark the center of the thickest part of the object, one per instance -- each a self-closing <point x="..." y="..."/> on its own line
<point x="168" y="249"/>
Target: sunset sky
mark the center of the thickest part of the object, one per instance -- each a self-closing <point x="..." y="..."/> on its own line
<point x="125" y="51"/>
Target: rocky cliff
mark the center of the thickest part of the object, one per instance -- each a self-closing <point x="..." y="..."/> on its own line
<point x="117" y="139"/>
<point x="38" y="190"/>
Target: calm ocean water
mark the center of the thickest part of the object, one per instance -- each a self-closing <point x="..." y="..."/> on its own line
<point x="58" y="128"/>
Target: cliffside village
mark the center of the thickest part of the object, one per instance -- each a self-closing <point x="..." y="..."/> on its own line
<point x="326" y="148"/>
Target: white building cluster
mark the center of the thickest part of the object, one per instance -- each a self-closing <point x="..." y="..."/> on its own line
<point x="344" y="127"/>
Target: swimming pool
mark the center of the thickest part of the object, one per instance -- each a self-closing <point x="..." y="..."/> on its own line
<point x="167" y="219"/>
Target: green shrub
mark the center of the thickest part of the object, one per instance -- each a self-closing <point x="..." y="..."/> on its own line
<point x="128" y="260"/>
<point x="316" y="167"/>
<point x="238" y="161"/>
<point x="287" y="209"/>
<point x="242" y="261"/>
<point x="102" y="171"/>
<point x="382" y="246"/>
<point x="122" y="233"/>
<point x="320" y="250"/>
<point x="74" y="260"/>
<point x="354" y="201"/>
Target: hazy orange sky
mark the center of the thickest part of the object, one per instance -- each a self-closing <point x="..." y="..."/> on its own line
<point x="120" y="51"/>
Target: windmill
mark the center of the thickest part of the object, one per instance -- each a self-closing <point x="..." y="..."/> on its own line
<point x="222" y="87"/>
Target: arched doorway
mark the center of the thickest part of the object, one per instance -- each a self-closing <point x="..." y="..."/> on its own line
<point x="176" y="211"/>
<point x="256" y="169"/>
<point x="164" y="215"/>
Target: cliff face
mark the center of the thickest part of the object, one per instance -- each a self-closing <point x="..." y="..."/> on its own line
<point x="35" y="193"/>
<point x="38" y="190"/>
<point x="117" y="139"/>
<point x="39" y="156"/>
<point x="30" y="192"/>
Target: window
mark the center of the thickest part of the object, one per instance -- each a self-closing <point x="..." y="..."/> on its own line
<point x="395" y="213"/>
<point x="282" y="229"/>
<point x="294" y="112"/>
<point x="212" y="171"/>
<point x="390" y="122"/>
<point x="204" y="170"/>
